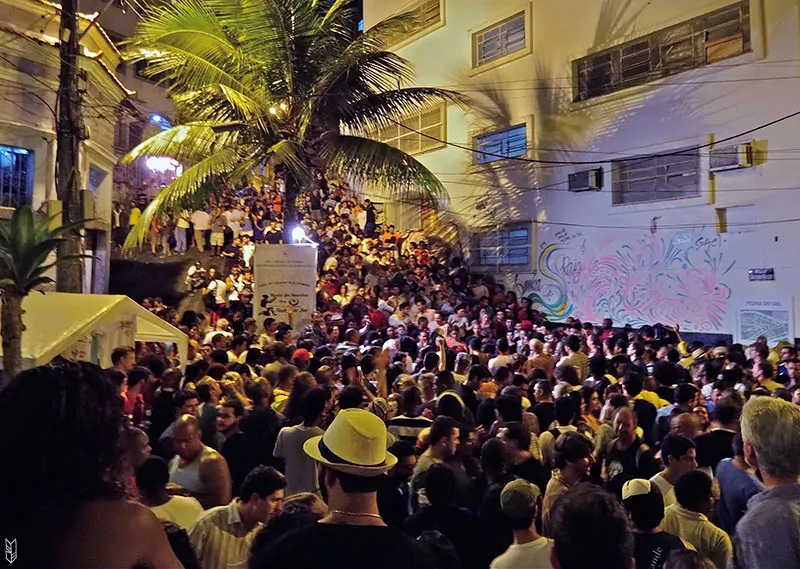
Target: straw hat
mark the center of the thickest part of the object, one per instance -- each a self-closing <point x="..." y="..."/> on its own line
<point x="355" y="443"/>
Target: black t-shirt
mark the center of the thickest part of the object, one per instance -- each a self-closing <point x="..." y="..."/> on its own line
<point x="371" y="214"/>
<point x="651" y="550"/>
<point x="713" y="447"/>
<point x="546" y="413"/>
<point x="316" y="202"/>
<point x="646" y="412"/>
<point x="273" y="237"/>
<point x="534" y="472"/>
<point x="328" y="546"/>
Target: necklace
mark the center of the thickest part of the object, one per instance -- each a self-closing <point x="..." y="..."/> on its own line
<point x="356" y="514"/>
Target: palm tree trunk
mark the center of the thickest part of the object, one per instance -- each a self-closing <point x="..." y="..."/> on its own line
<point x="11" y="330"/>
<point x="289" y="206"/>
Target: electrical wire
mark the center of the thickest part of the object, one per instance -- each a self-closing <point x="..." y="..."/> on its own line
<point x="598" y="162"/>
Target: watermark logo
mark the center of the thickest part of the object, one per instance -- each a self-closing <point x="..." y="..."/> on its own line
<point x="11" y="550"/>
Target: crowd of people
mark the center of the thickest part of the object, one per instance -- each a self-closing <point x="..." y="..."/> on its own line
<point x="426" y="417"/>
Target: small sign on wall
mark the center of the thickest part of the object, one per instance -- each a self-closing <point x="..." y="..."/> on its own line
<point x="762" y="274"/>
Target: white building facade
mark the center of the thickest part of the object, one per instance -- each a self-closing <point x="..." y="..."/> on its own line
<point x="29" y="68"/>
<point x="628" y="159"/>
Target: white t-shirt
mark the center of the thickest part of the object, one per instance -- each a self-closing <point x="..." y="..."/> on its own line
<point x="247" y="253"/>
<point x="220" y="289"/>
<point x="667" y="489"/>
<point x="201" y="220"/>
<point x="499" y="361"/>
<point x="532" y="555"/>
<point x="181" y="510"/>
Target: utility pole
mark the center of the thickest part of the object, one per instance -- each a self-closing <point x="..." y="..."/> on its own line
<point x="69" y="132"/>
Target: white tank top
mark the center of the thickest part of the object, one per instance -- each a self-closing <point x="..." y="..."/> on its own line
<point x="189" y="475"/>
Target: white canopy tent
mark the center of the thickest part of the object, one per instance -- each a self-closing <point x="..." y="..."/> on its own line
<point x="88" y="327"/>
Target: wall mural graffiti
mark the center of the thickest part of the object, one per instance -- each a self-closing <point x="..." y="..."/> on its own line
<point x="637" y="280"/>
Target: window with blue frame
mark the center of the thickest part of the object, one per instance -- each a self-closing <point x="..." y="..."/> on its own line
<point x="16" y="176"/>
<point x="499" y="144"/>
<point x="505" y="246"/>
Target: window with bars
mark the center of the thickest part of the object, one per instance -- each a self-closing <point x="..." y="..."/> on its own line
<point x="16" y="176"/>
<point x="656" y="178"/>
<point x="498" y="40"/>
<point x="430" y="122"/>
<point x="500" y="144"/>
<point x="506" y="246"/>
<point x="429" y="15"/>
<point x="713" y="37"/>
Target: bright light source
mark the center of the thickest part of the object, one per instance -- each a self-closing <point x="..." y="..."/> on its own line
<point x="273" y="111"/>
<point x="298" y="234"/>
<point x="162" y="164"/>
<point x="283" y="106"/>
<point x="158" y="119"/>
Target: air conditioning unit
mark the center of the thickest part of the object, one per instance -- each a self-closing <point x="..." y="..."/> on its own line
<point x="586" y="180"/>
<point x="733" y="157"/>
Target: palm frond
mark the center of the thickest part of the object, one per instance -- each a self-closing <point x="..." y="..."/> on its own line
<point x="183" y="190"/>
<point x="291" y="155"/>
<point x="189" y="142"/>
<point x="25" y="245"/>
<point x="381" y="110"/>
<point x="187" y="41"/>
<point x="371" y="162"/>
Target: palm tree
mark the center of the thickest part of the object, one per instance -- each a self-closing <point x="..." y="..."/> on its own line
<point x="25" y="245"/>
<point x="284" y="85"/>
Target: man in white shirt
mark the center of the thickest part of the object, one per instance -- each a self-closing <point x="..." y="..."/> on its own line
<point x="679" y="456"/>
<point x="201" y="221"/>
<point x="502" y="359"/>
<point x="248" y="250"/>
<point x="152" y="478"/>
<point x="222" y="327"/>
<point x="222" y="537"/>
<point x="402" y="316"/>
<point x="218" y="287"/>
<point x="519" y="502"/>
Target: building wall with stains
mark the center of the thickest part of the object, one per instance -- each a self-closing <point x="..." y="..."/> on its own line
<point x="678" y="260"/>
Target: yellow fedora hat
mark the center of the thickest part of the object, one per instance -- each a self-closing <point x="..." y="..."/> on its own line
<point x="355" y="443"/>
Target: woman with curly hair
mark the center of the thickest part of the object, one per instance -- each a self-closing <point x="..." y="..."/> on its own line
<point x="61" y="485"/>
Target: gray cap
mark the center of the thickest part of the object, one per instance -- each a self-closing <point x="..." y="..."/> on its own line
<point x="518" y="498"/>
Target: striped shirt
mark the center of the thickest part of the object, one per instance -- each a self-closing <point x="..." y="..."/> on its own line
<point x="220" y="539"/>
<point x="408" y="428"/>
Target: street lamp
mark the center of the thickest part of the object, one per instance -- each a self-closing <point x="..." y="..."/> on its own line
<point x="299" y="234"/>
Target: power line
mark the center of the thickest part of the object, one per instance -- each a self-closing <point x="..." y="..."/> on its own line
<point x="597" y="162"/>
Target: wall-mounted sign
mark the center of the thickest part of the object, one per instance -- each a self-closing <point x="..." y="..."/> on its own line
<point x="762" y="274"/>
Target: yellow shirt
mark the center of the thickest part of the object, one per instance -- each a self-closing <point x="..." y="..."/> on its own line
<point x="652" y="397"/>
<point x="771" y="385"/>
<point x="280" y="399"/>
<point x="695" y="528"/>
<point x="136" y="213"/>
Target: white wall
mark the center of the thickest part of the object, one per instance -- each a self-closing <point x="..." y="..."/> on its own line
<point x="614" y="260"/>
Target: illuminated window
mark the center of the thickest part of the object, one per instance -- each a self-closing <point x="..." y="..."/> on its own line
<point x="430" y="15"/>
<point x="430" y="122"/>
<point x="16" y="176"/>
<point x="713" y="37"/>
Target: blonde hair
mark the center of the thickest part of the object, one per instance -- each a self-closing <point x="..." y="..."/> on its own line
<point x="238" y="386"/>
<point x="308" y="499"/>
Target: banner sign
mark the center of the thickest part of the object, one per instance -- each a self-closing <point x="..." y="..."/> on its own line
<point x="773" y="319"/>
<point x="285" y="283"/>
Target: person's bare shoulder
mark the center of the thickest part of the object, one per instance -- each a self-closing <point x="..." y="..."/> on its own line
<point x="116" y="533"/>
